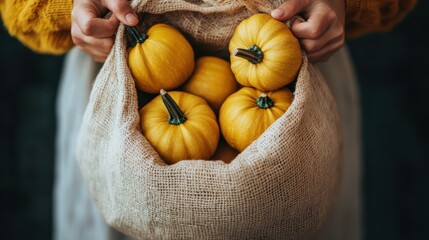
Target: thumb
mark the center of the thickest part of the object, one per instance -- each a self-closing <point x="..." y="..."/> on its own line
<point x="123" y="11"/>
<point x="288" y="9"/>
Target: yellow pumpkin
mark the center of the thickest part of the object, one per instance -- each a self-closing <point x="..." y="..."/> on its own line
<point x="246" y="114"/>
<point x="264" y="53"/>
<point x="185" y="128"/>
<point x="225" y="152"/>
<point x="160" y="59"/>
<point x="212" y="80"/>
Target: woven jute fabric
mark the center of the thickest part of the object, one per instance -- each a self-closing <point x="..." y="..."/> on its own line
<point x="280" y="187"/>
<point x="207" y="23"/>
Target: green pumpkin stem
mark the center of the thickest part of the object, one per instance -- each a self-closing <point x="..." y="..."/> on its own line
<point x="253" y="54"/>
<point x="176" y="116"/>
<point x="264" y="101"/>
<point x="135" y="35"/>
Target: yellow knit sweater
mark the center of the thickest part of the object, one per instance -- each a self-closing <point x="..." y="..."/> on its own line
<point x="365" y="16"/>
<point x="44" y="25"/>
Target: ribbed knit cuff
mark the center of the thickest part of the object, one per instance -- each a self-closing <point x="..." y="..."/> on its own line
<point x="55" y="43"/>
<point x="42" y="25"/>
<point x="59" y="13"/>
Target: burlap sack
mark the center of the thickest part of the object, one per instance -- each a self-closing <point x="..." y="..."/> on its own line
<point x="280" y="187"/>
<point x="207" y="23"/>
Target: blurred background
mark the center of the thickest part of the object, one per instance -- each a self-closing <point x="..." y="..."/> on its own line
<point x="393" y="77"/>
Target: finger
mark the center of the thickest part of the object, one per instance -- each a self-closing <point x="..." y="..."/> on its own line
<point x="98" y="57"/>
<point x="332" y="35"/>
<point x="325" y="53"/>
<point x="101" y="46"/>
<point x="95" y="46"/>
<point x="289" y="9"/>
<point x="91" y="24"/>
<point x="316" y="25"/>
<point x="123" y="10"/>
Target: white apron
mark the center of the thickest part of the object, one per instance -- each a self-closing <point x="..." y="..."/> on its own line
<point x="76" y="217"/>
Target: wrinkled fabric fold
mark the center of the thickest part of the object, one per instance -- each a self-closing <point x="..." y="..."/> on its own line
<point x="282" y="185"/>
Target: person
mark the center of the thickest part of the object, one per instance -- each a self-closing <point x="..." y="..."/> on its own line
<point x="322" y="33"/>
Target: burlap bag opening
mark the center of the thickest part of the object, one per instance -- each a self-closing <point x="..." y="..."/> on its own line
<point x="280" y="187"/>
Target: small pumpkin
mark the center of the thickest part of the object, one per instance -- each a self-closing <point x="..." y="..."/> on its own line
<point x="264" y="53"/>
<point x="225" y="152"/>
<point x="246" y="114"/>
<point x="186" y="128"/>
<point x="161" y="59"/>
<point x="212" y="80"/>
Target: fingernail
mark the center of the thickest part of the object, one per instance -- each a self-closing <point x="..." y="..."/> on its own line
<point x="131" y="19"/>
<point x="277" y="13"/>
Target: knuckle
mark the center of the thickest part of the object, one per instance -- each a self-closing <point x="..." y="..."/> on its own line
<point x="309" y="46"/>
<point x="107" y="45"/>
<point x="314" y="32"/>
<point x="331" y="15"/>
<point x="87" y="29"/>
<point x="77" y="40"/>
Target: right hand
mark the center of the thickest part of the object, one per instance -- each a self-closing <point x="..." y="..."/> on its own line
<point x="322" y="34"/>
<point x="92" y="32"/>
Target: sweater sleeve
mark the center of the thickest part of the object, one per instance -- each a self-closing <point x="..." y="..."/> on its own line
<point x="363" y="16"/>
<point x="42" y="25"/>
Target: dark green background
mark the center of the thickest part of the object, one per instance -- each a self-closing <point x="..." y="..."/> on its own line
<point x="393" y="76"/>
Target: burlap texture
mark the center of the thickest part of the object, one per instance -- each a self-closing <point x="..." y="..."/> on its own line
<point x="207" y="23"/>
<point x="280" y="187"/>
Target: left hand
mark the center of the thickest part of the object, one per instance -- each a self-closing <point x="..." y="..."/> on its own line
<point x="93" y="33"/>
<point x="322" y="34"/>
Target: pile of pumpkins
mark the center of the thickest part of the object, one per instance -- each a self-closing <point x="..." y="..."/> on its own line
<point x="213" y="108"/>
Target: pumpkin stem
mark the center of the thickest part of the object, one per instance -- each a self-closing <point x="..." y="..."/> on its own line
<point x="253" y="54"/>
<point x="264" y="101"/>
<point x="176" y="116"/>
<point x="135" y="35"/>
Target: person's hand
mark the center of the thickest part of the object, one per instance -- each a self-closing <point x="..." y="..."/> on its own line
<point x="323" y="31"/>
<point x="94" y="33"/>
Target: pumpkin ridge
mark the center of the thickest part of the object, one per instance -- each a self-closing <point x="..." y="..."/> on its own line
<point x="157" y="76"/>
<point x="160" y="129"/>
<point x="176" y="140"/>
<point x="197" y="135"/>
<point x="248" y="33"/>
<point x="275" y="30"/>
<point x="140" y="67"/>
